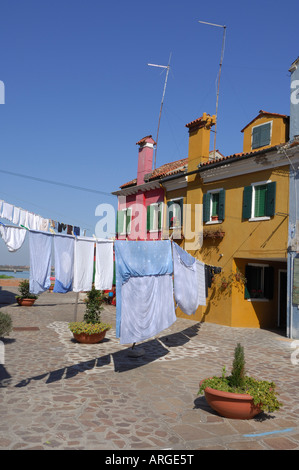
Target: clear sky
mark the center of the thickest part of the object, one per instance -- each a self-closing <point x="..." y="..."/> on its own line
<point x="79" y="93"/>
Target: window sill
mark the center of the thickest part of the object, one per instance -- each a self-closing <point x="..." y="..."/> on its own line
<point x="213" y="222"/>
<point x="257" y="300"/>
<point x="258" y="219"/>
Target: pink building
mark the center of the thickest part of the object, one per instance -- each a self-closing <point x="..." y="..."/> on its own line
<point x="140" y="201"/>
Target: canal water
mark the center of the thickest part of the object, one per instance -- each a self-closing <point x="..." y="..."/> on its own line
<point x="18" y="275"/>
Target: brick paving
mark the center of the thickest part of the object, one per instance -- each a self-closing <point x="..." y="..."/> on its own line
<point x="57" y="394"/>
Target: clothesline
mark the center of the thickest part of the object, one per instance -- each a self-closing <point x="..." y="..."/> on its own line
<point x="26" y="219"/>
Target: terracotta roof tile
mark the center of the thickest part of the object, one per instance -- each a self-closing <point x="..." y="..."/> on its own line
<point x="164" y="170"/>
<point x="264" y="113"/>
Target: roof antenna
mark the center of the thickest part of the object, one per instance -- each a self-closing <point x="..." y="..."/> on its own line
<point x="162" y="101"/>
<point x="219" y="74"/>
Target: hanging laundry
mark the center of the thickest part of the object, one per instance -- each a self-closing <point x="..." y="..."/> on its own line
<point x="83" y="264"/>
<point x="61" y="227"/>
<point x="147" y="306"/>
<point x="6" y="211"/>
<point x="40" y="248"/>
<point x="64" y="263"/>
<point x="23" y="218"/>
<point x="77" y="231"/>
<point x="16" y="215"/>
<point x="13" y="237"/>
<point x="189" y="280"/>
<point x="104" y="265"/>
<point x="69" y="229"/>
<point x="43" y="224"/>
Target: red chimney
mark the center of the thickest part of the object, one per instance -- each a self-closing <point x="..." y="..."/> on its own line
<point x="145" y="157"/>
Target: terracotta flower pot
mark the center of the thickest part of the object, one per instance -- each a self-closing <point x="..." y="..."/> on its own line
<point x="232" y="405"/>
<point x="90" y="339"/>
<point x="26" y="302"/>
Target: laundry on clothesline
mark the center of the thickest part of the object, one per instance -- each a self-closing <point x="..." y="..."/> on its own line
<point x="64" y="263"/>
<point x="40" y="249"/>
<point x="22" y="217"/>
<point x="13" y="237"/>
<point x="83" y="264"/>
<point x="104" y="265"/>
<point x="144" y="289"/>
<point x="189" y="280"/>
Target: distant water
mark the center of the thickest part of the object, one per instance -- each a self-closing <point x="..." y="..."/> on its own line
<point x="18" y="275"/>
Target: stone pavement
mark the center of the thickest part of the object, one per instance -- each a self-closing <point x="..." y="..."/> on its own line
<point x="57" y="394"/>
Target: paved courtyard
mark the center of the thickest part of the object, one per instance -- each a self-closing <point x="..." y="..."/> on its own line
<point x="61" y="395"/>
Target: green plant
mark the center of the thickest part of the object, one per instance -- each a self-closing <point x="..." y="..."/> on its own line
<point x="24" y="290"/>
<point x="92" y="318"/>
<point x="263" y="392"/>
<point x="5" y="324"/>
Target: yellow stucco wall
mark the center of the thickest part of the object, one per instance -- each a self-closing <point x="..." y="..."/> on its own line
<point x="257" y="240"/>
<point x="279" y="131"/>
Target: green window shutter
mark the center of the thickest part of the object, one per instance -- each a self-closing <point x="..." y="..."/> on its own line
<point x="265" y="134"/>
<point x="260" y="200"/>
<point x="270" y="200"/>
<point x="169" y="213"/>
<point x="148" y="218"/>
<point x="269" y="282"/>
<point x="221" y="212"/>
<point x="256" y="138"/>
<point x="120" y="221"/>
<point x="247" y="198"/>
<point x="181" y="204"/>
<point x="160" y="217"/>
<point x="128" y="220"/>
<point x="206" y="207"/>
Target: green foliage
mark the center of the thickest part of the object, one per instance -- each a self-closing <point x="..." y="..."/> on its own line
<point x="25" y="291"/>
<point x="238" y="370"/>
<point x="5" y="324"/>
<point x="88" y="328"/>
<point x="94" y="306"/>
<point x="263" y="392"/>
<point x="92" y="317"/>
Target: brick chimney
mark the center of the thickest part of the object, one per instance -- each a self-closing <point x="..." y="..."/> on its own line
<point x="199" y="140"/>
<point x="145" y="157"/>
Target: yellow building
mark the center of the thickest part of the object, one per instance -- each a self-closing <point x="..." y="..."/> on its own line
<point x="245" y="204"/>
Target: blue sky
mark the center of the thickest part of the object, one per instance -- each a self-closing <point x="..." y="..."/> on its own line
<point x="79" y="93"/>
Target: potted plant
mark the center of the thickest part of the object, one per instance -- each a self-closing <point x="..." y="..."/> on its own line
<point x="25" y="298"/>
<point x="239" y="396"/>
<point x="91" y="330"/>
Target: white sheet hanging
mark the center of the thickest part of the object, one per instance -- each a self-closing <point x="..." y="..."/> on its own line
<point x="104" y="265"/>
<point x="83" y="264"/>
<point x="6" y="211"/>
<point x="40" y="247"/>
<point x="189" y="281"/>
<point x="64" y="263"/>
<point x="147" y="307"/>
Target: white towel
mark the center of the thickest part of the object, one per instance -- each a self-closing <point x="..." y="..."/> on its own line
<point x="16" y="215"/>
<point x="7" y="211"/>
<point x="13" y="237"/>
<point x="83" y="264"/>
<point x="23" y="218"/>
<point x="104" y="265"/>
<point x="40" y="248"/>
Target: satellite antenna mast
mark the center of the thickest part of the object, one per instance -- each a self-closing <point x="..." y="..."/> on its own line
<point x="219" y="74"/>
<point x="162" y="101"/>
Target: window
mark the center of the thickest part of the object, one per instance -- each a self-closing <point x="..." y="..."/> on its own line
<point x="261" y="135"/>
<point x="154" y="217"/>
<point x="123" y="222"/>
<point x="260" y="281"/>
<point x="259" y="200"/>
<point x="213" y="206"/>
<point x="175" y="213"/>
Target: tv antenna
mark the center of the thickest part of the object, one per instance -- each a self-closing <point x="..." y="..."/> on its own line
<point x="167" y="67"/>
<point x="219" y="74"/>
